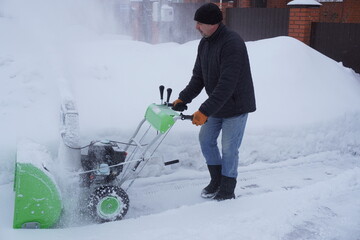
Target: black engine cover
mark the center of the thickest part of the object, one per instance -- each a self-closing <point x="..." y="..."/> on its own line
<point x="102" y="153"/>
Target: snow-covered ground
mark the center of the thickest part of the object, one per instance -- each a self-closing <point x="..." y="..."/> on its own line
<point x="300" y="159"/>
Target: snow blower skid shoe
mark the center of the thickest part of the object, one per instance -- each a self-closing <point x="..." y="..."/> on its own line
<point x="37" y="198"/>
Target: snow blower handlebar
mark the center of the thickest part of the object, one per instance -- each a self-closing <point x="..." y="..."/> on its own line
<point x="180" y="107"/>
<point x="186" y="117"/>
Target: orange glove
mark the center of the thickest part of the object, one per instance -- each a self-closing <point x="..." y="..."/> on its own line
<point x="177" y="101"/>
<point x="199" y="118"/>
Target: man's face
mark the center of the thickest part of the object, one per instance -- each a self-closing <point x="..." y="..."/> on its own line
<point x="206" y="30"/>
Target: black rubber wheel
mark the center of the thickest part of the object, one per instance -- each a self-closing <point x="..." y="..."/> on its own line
<point x="108" y="203"/>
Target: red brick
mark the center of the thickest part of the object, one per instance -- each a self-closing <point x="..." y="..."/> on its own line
<point x="294" y="26"/>
<point x="301" y="22"/>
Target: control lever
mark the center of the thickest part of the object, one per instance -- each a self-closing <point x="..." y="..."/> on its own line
<point x="161" y="88"/>
<point x="169" y="91"/>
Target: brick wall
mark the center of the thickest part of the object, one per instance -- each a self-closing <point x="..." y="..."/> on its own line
<point x="277" y="3"/>
<point x="300" y="22"/>
<point x="347" y="11"/>
<point x="331" y="11"/>
<point x="244" y="3"/>
<point x="351" y="13"/>
<point x="340" y="12"/>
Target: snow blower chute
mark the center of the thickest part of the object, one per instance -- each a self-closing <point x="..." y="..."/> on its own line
<point x="38" y="202"/>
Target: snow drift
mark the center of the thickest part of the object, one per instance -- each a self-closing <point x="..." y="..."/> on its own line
<point x="299" y="170"/>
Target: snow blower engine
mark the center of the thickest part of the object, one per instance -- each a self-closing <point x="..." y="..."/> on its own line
<point x="101" y="155"/>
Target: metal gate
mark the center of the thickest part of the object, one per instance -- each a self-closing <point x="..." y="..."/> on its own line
<point x="258" y="23"/>
<point x="339" y="41"/>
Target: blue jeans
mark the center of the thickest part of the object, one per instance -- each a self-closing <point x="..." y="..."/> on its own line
<point x="232" y="134"/>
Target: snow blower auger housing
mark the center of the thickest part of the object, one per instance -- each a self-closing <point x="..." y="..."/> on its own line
<point x="107" y="166"/>
<point x="37" y="198"/>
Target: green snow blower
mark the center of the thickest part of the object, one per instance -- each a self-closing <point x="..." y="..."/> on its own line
<point x="105" y="168"/>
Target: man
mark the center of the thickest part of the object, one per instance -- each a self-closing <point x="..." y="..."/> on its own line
<point x="222" y="67"/>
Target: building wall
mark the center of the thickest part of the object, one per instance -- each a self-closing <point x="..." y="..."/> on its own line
<point x="332" y="12"/>
<point x="347" y="11"/>
<point x="352" y="11"/>
<point x="277" y="3"/>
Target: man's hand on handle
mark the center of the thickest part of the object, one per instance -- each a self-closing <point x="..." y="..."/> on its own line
<point x="177" y="101"/>
<point x="179" y="105"/>
<point x="199" y="118"/>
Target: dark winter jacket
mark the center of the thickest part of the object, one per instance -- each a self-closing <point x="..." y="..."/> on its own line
<point x="222" y="67"/>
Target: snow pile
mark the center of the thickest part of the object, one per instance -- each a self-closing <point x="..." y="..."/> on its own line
<point x="299" y="173"/>
<point x="297" y="85"/>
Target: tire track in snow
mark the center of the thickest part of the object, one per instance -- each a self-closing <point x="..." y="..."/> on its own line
<point x="170" y="192"/>
<point x="152" y="195"/>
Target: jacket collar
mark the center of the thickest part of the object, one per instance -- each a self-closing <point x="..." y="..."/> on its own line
<point x="216" y="33"/>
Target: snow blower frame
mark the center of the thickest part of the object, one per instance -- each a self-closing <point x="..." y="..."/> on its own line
<point x="106" y="167"/>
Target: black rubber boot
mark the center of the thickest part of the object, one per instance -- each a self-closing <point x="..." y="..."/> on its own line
<point x="210" y="190"/>
<point x="227" y="188"/>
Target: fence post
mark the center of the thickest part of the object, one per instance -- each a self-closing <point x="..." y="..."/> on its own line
<point x="301" y="17"/>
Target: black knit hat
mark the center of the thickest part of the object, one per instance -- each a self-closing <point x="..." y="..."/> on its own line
<point x="209" y="13"/>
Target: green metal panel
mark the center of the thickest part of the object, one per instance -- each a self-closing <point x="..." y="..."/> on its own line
<point x="160" y="117"/>
<point x="37" y="199"/>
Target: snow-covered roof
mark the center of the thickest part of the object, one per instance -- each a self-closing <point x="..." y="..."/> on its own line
<point x="305" y="2"/>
